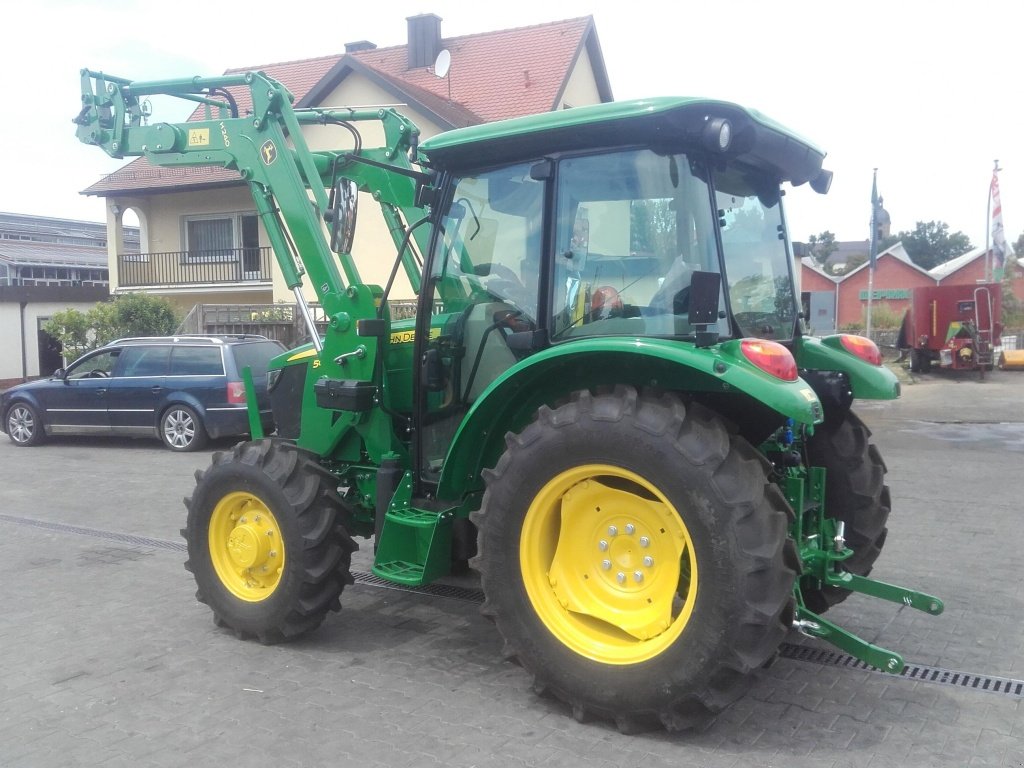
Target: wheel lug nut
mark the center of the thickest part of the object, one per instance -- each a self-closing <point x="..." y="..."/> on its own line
<point x="637" y="576"/>
<point x="630" y="529"/>
<point x="606" y="565"/>
<point x="648" y="561"/>
<point x="602" y="545"/>
<point x="620" y="577"/>
<point x="613" y="531"/>
<point x="644" y="541"/>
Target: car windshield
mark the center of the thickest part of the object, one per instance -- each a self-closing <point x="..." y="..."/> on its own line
<point x="756" y="257"/>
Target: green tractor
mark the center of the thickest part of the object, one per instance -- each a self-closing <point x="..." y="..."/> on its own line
<point x="604" y="405"/>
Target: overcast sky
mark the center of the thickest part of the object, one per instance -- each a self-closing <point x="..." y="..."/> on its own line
<point x="927" y="92"/>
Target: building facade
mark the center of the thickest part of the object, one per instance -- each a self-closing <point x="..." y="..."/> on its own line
<point x="201" y="241"/>
<point x="47" y="265"/>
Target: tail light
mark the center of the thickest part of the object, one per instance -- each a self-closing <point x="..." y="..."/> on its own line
<point x="862" y="347"/>
<point x="236" y="392"/>
<point x="771" y="357"/>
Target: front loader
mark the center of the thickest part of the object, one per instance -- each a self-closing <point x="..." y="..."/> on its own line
<point x="605" y="404"/>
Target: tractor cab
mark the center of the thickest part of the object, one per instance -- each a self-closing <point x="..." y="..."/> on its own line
<point x="673" y="232"/>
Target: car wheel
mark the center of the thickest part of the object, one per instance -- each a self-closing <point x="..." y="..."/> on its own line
<point x="24" y="426"/>
<point x="181" y="429"/>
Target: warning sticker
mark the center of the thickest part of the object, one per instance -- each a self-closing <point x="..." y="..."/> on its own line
<point x="199" y="137"/>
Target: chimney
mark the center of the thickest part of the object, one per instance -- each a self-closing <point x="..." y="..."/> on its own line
<point x="424" y="39"/>
<point x="359" y="45"/>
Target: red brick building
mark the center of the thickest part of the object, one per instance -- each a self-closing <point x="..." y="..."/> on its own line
<point x="894" y="279"/>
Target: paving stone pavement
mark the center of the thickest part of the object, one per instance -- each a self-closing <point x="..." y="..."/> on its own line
<point x="108" y="659"/>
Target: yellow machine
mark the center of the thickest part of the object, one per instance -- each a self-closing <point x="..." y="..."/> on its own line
<point x="1011" y="360"/>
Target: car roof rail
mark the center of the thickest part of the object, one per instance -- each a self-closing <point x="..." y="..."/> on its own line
<point x="191" y="337"/>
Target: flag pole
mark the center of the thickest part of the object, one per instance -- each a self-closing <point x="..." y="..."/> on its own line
<point x="873" y="252"/>
<point x="988" y="227"/>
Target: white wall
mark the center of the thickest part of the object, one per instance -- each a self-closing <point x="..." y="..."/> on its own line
<point x="11" y="335"/>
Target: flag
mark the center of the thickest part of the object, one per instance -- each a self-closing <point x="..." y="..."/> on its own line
<point x="1000" y="250"/>
<point x="874" y="221"/>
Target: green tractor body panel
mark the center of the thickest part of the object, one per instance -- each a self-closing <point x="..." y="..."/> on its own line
<point x="868" y="382"/>
<point x="511" y="400"/>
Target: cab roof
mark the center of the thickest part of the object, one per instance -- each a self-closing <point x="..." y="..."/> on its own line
<point x="667" y="123"/>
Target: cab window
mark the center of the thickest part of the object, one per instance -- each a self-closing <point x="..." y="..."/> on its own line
<point x="631" y="229"/>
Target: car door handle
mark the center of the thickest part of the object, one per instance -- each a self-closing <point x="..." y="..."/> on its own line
<point x="156" y="389"/>
<point x="101" y="392"/>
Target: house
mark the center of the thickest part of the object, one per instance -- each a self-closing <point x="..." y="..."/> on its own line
<point x="184" y="212"/>
<point x="47" y="265"/>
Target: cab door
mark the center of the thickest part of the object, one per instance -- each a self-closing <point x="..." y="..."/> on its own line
<point x="483" y="289"/>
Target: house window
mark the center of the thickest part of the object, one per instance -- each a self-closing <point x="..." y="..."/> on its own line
<point x="220" y="237"/>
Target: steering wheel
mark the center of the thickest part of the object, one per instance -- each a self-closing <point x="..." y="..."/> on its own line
<point x="500" y="271"/>
<point x="762" y="324"/>
<point x="96" y="373"/>
<point x="504" y="283"/>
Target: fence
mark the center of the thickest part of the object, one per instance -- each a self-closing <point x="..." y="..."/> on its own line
<point x="283" y="322"/>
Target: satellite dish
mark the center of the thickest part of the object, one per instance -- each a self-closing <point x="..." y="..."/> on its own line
<point x="442" y="63"/>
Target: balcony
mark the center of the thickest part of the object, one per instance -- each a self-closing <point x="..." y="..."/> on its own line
<point x="180" y="268"/>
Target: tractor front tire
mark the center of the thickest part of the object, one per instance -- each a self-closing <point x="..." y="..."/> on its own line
<point x="267" y="541"/>
<point x="856" y="493"/>
<point x="635" y="558"/>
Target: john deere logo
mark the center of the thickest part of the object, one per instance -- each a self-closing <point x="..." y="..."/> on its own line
<point x="268" y="152"/>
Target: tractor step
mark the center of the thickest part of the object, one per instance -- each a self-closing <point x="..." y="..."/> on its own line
<point x="415" y="544"/>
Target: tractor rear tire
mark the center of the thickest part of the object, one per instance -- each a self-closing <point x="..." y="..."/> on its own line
<point x="856" y="493"/>
<point x="635" y="559"/>
<point x="267" y="541"/>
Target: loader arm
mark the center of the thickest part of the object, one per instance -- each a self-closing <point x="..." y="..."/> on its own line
<point x="291" y="189"/>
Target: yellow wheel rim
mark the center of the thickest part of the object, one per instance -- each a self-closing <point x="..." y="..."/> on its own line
<point x="246" y="547"/>
<point x="608" y="564"/>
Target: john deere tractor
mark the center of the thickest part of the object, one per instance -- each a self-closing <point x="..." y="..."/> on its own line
<point x="604" y="405"/>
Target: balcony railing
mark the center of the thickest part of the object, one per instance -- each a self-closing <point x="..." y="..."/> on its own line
<point x="224" y="265"/>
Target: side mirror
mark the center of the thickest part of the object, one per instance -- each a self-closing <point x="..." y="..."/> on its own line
<point x="342" y="215"/>
<point x="704" y="290"/>
<point x="60" y="373"/>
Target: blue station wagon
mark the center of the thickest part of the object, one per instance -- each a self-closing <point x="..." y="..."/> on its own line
<point x="181" y="389"/>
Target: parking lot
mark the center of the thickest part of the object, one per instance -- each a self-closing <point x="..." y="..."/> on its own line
<point x="109" y="660"/>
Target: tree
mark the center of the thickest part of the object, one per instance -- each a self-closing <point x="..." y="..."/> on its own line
<point x="930" y="243"/>
<point x="822" y="246"/>
<point x="135" y="314"/>
<point x="851" y="264"/>
<point x="1018" y="247"/>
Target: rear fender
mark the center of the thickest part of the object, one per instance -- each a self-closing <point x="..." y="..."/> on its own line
<point x="868" y="382"/>
<point x="550" y="376"/>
